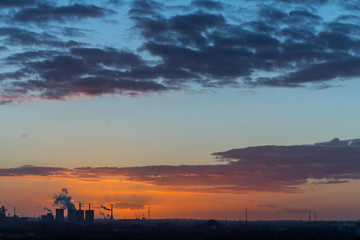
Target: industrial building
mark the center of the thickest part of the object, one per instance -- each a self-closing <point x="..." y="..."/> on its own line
<point x="59" y="215"/>
<point x="49" y="217"/>
<point x="89" y="215"/>
<point x="76" y="216"/>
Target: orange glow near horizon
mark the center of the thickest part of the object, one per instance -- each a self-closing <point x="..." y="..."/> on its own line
<point x="31" y="194"/>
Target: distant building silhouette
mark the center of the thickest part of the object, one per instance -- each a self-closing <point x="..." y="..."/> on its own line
<point x="80" y="216"/>
<point x="89" y="215"/>
<point x="357" y="230"/>
<point x="49" y="217"/>
<point x="59" y="215"/>
<point x="112" y="213"/>
<point x="3" y="212"/>
<point x="71" y="217"/>
<point x="75" y="216"/>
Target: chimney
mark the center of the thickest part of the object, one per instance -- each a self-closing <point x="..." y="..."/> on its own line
<point x="246" y="215"/>
<point x="79" y="206"/>
<point x="89" y="206"/>
<point x="112" y="214"/>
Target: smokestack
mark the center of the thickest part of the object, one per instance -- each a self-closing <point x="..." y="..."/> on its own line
<point x="246" y="215"/>
<point x="112" y="215"/>
<point x="89" y="215"/>
<point x="149" y="212"/>
<point x="79" y="206"/>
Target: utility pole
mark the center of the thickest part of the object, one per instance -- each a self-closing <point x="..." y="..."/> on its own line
<point x="246" y="215"/>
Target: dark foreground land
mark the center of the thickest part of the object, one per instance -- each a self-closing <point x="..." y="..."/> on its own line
<point x="180" y="229"/>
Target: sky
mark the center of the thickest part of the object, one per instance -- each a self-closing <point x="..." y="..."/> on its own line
<point x="198" y="109"/>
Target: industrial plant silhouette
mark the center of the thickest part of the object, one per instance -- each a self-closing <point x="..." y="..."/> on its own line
<point x="72" y="223"/>
<point x="81" y="224"/>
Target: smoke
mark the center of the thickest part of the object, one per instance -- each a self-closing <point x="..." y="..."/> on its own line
<point x="63" y="200"/>
<point x="45" y="208"/>
<point x="107" y="209"/>
<point x="102" y="214"/>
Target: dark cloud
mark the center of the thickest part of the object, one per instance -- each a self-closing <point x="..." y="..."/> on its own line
<point x="4" y="102"/>
<point x="329" y="160"/>
<point x="298" y="3"/>
<point x="272" y="14"/>
<point x="303" y="15"/>
<point x="352" y="5"/>
<point x="343" y="68"/>
<point x="115" y="2"/>
<point x="210" y="63"/>
<point x="16" y="3"/>
<point x="145" y="7"/>
<point x="31" y="55"/>
<point x="23" y="37"/>
<point x="45" y="13"/>
<point x="108" y="57"/>
<point x="73" y="32"/>
<point x="29" y="170"/>
<point x="13" y="75"/>
<point x="260" y="168"/>
<point x="208" y="4"/>
<point x="180" y="47"/>
<point x="84" y="71"/>
<point x="210" y="48"/>
<point x="347" y="18"/>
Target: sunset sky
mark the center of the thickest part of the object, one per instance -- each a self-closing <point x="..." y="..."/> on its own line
<point x="198" y="109"/>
